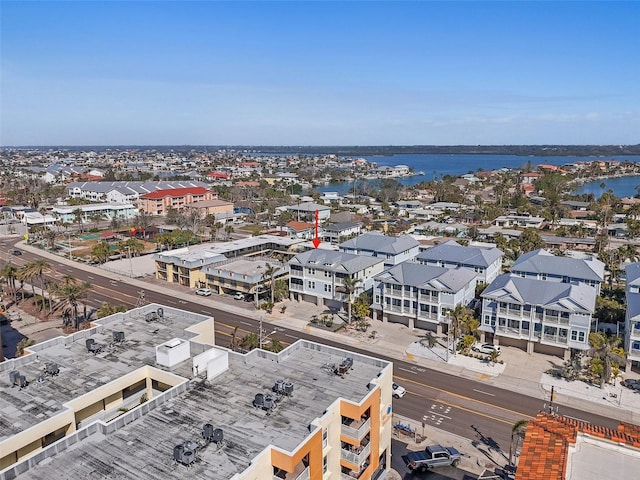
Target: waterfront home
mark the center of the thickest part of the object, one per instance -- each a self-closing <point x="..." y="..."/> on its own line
<point x="544" y="265"/>
<point x="317" y="276"/>
<point x="526" y="221"/>
<point x="485" y="262"/>
<point x="537" y="315"/>
<point x="393" y="250"/>
<point x="421" y="296"/>
<point x="632" y="315"/>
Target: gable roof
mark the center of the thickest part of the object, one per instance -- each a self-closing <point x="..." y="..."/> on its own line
<point x="379" y="242"/>
<point x="452" y="251"/>
<point x="418" y="275"/>
<point x="300" y="226"/>
<point x="564" y="296"/>
<point x="334" y="261"/>
<point x="542" y="261"/>
<point x="633" y="274"/>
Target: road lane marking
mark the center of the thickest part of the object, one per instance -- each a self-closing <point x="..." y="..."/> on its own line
<point x="247" y="323"/>
<point x="290" y="336"/>
<point x="89" y="276"/>
<point x="486" y="393"/>
<point x="206" y="313"/>
<point x="407" y="370"/>
<point x="438" y="414"/>
<point x="463" y="397"/>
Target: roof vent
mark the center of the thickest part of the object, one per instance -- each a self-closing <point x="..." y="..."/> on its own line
<point x="118" y="337"/>
<point x="172" y="343"/>
<point x="52" y="368"/>
<point x="344" y="367"/>
<point x="151" y="317"/>
<point x="212" y="435"/>
<point x="16" y="379"/>
<point x="92" y="346"/>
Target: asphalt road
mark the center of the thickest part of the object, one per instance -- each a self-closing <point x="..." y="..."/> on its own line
<point x="461" y="406"/>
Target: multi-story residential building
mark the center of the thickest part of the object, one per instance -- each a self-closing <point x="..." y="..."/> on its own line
<point x="421" y="296"/>
<point x="393" y="250"/>
<point x="317" y="276"/>
<point x="122" y="192"/>
<point x="306" y="211"/>
<point x="632" y="318"/>
<point x="154" y="397"/>
<point x="104" y="211"/>
<point x="544" y="265"/>
<point x="485" y="262"/>
<point x="216" y="207"/>
<point x="339" y="232"/>
<point x="188" y="265"/>
<point x="160" y="201"/>
<point x="302" y="230"/>
<point x="538" y="315"/>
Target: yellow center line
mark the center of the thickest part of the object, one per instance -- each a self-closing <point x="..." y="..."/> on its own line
<point x="486" y="415"/>
<point x="463" y="397"/>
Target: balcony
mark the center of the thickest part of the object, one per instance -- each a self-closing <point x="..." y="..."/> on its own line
<point x="549" y="337"/>
<point x="634" y="332"/>
<point x="301" y="473"/>
<point x="356" y="430"/>
<point x="356" y="455"/>
<point x="557" y="319"/>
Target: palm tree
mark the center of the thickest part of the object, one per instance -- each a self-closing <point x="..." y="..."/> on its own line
<point x="27" y="274"/>
<point x="607" y="350"/>
<point x="40" y="268"/>
<point x="70" y="293"/>
<point x="350" y="284"/>
<point x="10" y="273"/>
<point x="517" y="432"/>
<point x="77" y="215"/>
<point x="270" y="270"/>
<point x="228" y="230"/>
<point x="101" y="252"/>
<point x="461" y="320"/>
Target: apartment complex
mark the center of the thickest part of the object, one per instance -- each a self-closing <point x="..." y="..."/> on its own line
<point x="537" y="315"/>
<point x="122" y="191"/>
<point x="147" y="394"/>
<point x="485" y="262"/>
<point x="318" y="276"/>
<point x="632" y="318"/>
<point x="544" y="265"/>
<point x="160" y="201"/>
<point x="392" y="250"/>
<point x="420" y="296"/>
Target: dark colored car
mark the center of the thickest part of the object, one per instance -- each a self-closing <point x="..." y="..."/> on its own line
<point x="15" y="251"/>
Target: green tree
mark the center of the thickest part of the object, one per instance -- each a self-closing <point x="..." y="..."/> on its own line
<point x="268" y="274"/>
<point x="606" y="350"/>
<point x="9" y="273"/>
<point x="349" y="285"/>
<point x="107" y="309"/>
<point x="70" y="293"/>
<point x="101" y="252"/>
<point x="39" y="268"/>
<point x="518" y="431"/>
<point x="281" y="290"/>
<point x="530" y="240"/>
<point x="362" y="306"/>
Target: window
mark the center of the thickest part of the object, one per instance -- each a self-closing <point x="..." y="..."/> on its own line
<point x="377" y="299"/>
<point x="312" y="271"/>
<point x="327" y="288"/>
<point x="311" y="285"/>
<point x="577" y="336"/>
<point x="396" y="302"/>
<point x="327" y="274"/>
<point x="325" y="441"/>
<point x="407" y="303"/>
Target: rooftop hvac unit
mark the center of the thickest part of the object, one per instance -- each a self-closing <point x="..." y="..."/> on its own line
<point x="22" y="381"/>
<point x="13" y="377"/>
<point x="218" y="436"/>
<point x="88" y="342"/>
<point x="160" y="312"/>
<point x="269" y="402"/>
<point x="207" y="432"/>
<point x="92" y="346"/>
<point x="52" y="368"/>
<point x="288" y="388"/>
<point x="348" y="362"/>
<point x="258" y="401"/>
<point x="185" y="453"/>
<point x="279" y="386"/>
<point x="151" y="317"/>
<point x="118" y="337"/>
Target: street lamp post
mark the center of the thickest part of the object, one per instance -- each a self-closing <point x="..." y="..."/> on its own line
<point x="130" y="261"/>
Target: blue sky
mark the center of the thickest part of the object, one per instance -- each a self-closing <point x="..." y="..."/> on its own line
<point x="319" y="73"/>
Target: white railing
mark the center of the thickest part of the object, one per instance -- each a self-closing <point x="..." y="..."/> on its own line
<point x="356" y="458"/>
<point x="357" y="433"/>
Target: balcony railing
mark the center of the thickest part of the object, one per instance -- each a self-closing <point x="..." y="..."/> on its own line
<point x="635" y="332"/>
<point x="554" y="338"/>
<point x="356" y="458"/>
<point x="356" y="430"/>
<point x="304" y="475"/>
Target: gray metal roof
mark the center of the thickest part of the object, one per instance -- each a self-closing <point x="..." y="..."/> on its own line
<point x="418" y="275"/>
<point x="633" y="302"/>
<point x="133" y="187"/>
<point x="452" y="251"/>
<point x="633" y="274"/>
<point x="541" y="261"/>
<point x="338" y="227"/>
<point x="334" y="261"/>
<point x="530" y="291"/>
<point x="379" y="242"/>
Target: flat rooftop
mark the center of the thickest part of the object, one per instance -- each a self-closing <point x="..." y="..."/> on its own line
<point x="144" y="448"/>
<point x="81" y="371"/>
<point x="140" y="442"/>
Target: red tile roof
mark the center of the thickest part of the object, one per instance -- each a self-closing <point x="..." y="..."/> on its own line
<point x="175" y="192"/>
<point x="300" y="226"/>
<point x="547" y="439"/>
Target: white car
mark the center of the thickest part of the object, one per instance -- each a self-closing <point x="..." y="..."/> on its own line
<point x="238" y="296"/>
<point x="205" y="292"/>
<point x="485" y="348"/>
<point x="397" y="391"/>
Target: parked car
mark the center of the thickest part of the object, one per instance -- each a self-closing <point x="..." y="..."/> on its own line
<point x="398" y="391"/>
<point x="633" y="384"/>
<point x="15" y="252"/>
<point x="238" y="296"/>
<point x="205" y="292"/>
<point x="486" y="348"/>
<point x="432" y="456"/>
